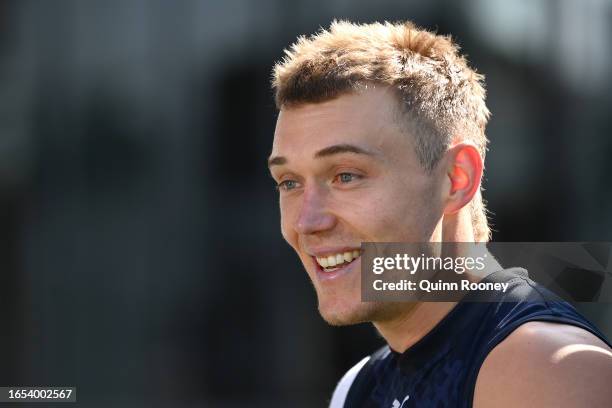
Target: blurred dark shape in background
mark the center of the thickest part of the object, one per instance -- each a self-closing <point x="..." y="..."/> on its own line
<point x="141" y="253"/>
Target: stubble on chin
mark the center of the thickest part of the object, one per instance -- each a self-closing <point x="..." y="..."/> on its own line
<point x="363" y="312"/>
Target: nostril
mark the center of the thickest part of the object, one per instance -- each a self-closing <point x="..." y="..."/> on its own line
<point x="313" y="215"/>
<point x="313" y="222"/>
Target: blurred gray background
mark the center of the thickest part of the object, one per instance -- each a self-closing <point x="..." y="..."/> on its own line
<point x="141" y="255"/>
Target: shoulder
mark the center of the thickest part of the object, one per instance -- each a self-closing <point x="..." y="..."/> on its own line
<point x="546" y="364"/>
<point x="345" y="383"/>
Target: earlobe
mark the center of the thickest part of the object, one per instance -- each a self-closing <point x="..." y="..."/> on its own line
<point x="465" y="172"/>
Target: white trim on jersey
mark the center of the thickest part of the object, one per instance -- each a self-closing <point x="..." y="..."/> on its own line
<point x="345" y="383"/>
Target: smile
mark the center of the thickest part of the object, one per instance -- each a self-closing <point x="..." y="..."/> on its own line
<point x="336" y="261"/>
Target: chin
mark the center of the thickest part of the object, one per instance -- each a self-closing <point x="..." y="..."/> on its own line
<point x="346" y="315"/>
<point x="362" y="312"/>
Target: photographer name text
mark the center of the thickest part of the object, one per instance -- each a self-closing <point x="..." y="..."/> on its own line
<point x="438" y="286"/>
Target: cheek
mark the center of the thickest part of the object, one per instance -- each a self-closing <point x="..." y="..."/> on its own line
<point x="366" y="214"/>
<point x="416" y="212"/>
<point x="401" y="211"/>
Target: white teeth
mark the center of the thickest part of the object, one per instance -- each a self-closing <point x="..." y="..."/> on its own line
<point x="337" y="259"/>
<point x="331" y="260"/>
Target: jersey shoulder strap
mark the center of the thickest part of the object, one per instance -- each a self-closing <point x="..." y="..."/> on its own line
<point x="356" y="385"/>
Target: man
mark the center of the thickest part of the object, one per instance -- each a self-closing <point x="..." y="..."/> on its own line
<point x="380" y="138"/>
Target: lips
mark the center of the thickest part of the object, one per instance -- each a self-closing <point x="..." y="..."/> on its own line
<point x="333" y="263"/>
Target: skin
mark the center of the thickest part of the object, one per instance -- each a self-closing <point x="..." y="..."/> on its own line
<point x="385" y="195"/>
<point x="546" y="365"/>
<point x="348" y="173"/>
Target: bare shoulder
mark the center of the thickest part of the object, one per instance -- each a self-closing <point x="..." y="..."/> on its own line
<point x="545" y="364"/>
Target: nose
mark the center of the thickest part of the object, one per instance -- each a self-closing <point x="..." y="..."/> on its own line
<point x="314" y="215"/>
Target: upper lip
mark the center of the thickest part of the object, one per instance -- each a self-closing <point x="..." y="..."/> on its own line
<point x="326" y="251"/>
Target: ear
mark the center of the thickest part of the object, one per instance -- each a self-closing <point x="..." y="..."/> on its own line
<point x="464" y="172"/>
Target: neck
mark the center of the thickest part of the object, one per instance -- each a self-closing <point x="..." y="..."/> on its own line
<point x="403" y="331"/>
<point x="410" y="325"/>
<point x="456" y="227"/>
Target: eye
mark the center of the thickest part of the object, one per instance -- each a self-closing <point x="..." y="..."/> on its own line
<point x="345" y="178"/>
<point x="287" y="185"/>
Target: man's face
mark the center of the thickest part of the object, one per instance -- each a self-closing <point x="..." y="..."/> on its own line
<point x="348" y="174"/>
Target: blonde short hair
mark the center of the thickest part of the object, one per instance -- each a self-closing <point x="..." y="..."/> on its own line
<point x="441" y="99"/>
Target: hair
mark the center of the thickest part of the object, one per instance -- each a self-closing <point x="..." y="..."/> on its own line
<point x="440" y="98"/>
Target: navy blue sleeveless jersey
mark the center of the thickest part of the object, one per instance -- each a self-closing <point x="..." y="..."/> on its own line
<point x="440" y="370"/>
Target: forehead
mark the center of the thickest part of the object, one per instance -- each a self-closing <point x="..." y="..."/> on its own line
<point x="368" y="118"/>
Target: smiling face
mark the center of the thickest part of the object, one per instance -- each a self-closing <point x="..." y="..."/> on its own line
<point x="348" y="174"/>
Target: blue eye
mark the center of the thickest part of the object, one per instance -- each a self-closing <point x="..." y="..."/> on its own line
<point x="346" y="177"/>
<point x="287" y="185"/>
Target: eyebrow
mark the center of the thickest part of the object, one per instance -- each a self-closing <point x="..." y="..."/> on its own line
<point x="326" y="152"/>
